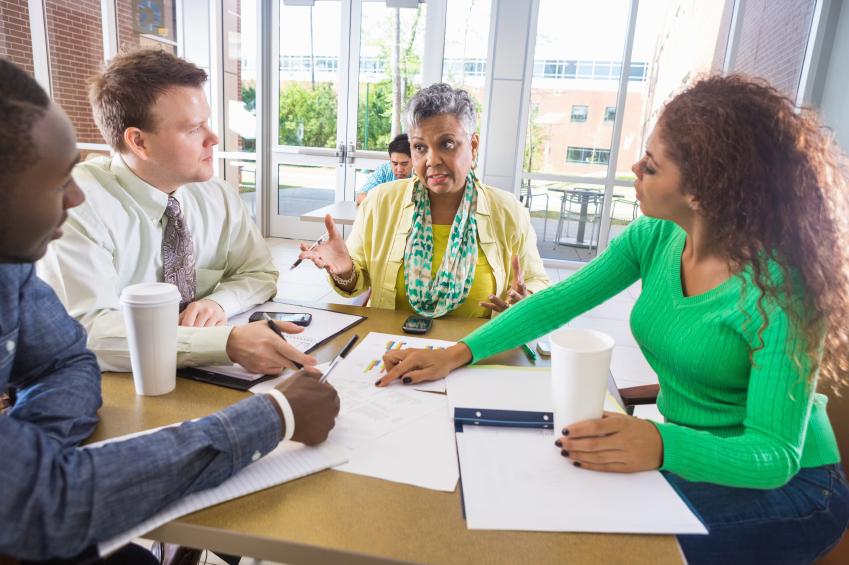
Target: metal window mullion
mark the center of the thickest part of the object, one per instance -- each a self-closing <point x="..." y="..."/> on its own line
<point x="180" y="34"/>
<point x="621" y="96"/>
<point x="434" y="43"/>
<point x="349" y="76"/>
<point x="109" y="29"/>
<point x="38" y="38"/>
<point x="733" y="37"/>
<point x="216" y="73"/>
<point x="527" y="80"/>
<point x="817" y="53"/>
<point x="262" y="155"/>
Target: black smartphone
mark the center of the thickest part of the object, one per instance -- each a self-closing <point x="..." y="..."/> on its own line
<point x="294" y="317"/>
<point x="417" y="325"/>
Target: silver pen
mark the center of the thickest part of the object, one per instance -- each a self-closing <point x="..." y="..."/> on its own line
<point x="310" y="248"/>
<point x="342" y="355"/>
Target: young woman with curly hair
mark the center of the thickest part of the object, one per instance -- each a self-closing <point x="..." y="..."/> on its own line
<point x="743" y="255"/>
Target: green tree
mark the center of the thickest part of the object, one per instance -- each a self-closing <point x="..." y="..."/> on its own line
<point x="308" y="115"/>
<point x="249" y="101"/>
<point x="535" y="141"/>
<point x="249" y="98"/>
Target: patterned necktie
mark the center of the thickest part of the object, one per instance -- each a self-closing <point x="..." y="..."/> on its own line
<point x="178" y="255"/>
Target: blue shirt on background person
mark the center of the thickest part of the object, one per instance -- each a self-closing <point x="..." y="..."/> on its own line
<point x="399" y="166"/>
<point x="380" y="175"/>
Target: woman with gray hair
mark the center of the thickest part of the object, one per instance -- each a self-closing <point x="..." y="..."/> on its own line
<point x="440" y="243"/>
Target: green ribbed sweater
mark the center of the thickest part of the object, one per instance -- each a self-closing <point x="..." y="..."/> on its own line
<point x="728" y="421"/>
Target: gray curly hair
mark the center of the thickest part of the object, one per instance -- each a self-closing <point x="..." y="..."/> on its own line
<point x="441" y="98"/>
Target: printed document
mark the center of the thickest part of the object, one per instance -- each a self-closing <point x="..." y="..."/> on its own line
<point x="516" y="479"/>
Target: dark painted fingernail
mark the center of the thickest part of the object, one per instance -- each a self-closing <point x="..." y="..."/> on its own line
<point x="577" y="463"/>
<point x="564" y="453"/>
<point x="557" y="443"/>
<point x="377" y="382"/>
<point x="407" y="380"/>
<point x="565" y="431"/>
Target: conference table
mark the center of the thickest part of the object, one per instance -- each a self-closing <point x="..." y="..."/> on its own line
<point x="343" y="212"/>
<point x="337" y="517"/>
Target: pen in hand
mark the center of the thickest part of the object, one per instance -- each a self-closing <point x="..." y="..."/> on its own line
<point x="310" y="248"/>
<point x="342" y="355"/>
<point x="276" y="330"/>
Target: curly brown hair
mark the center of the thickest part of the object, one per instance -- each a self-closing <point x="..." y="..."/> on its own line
<point x="772" y="184"/>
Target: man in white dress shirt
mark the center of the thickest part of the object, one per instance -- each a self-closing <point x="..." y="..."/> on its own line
<point x="153" y="212"/>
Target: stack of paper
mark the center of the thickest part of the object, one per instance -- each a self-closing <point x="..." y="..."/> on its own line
<point x="516" y="479"/>
<point x="287" y="462"/>
<point x="394" y="433"/>
<point x="365" y="363"/>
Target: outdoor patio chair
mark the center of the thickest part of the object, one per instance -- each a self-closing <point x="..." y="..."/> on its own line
<point x="634" y="204"/>
<point x="527" y="194"/>
<point x="570" y="211"/>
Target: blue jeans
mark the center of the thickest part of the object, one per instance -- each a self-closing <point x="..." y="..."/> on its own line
<point x="797" y="523"/>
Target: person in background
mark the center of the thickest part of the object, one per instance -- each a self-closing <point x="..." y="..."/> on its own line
<point x="744" y="264"/>
<point x="440" y="243"/>
<point x="399" y="166"/>
<point x="60" y="500"/>
<point x="152" y="213"/>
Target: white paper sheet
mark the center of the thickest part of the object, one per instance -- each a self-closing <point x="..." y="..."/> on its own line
<point x="396" y="434"/>
<point x="365" y="362"/>
<point x="422" y="453"/>
<point x="324" y="325"/>
<point x="516" y="479"/>
<point x="287" y="462"/>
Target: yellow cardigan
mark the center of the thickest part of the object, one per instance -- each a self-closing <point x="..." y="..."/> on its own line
<point x="379" y="237"/>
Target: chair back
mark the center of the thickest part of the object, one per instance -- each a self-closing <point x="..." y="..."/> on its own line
<point x="838" y="414"/>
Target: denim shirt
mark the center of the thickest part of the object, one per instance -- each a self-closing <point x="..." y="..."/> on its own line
<point x="57" y="499"/>
<point x="380" y="175"/>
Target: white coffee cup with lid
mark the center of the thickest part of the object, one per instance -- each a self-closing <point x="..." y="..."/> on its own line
<point x="580" y="365"/>
<point x="151" y="314"/>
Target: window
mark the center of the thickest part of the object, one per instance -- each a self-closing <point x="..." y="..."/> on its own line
<point x="609" y="113"/>
<point x="15" y="40"/>
<point x="147" y="24"/>
<point x="466" y="47"/>
<point x="75" y="44"/>
<point x="587" y="69"/>
<point x="587" y="155"/>
<point x="579" y="113"/>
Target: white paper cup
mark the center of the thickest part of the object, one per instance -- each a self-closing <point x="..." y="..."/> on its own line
<point x="580" y="364"/>
<point x="151" y="314"/>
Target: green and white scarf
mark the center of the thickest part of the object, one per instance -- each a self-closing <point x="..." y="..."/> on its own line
<point x="435" y="297"/>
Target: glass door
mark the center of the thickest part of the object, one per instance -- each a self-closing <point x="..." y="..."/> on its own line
<point x="387" y="51"/>
<point x="310" y="88"/>
<point x="345" y="69"/>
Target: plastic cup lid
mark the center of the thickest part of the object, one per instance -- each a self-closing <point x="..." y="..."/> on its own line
<point x="150" y="294"/>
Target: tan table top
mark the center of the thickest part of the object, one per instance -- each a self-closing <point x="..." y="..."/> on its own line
<point x="343" y="213"/>
<point x="336" y="517"/>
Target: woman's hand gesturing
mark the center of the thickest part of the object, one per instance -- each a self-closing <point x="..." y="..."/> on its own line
<point x="332" y="254"/>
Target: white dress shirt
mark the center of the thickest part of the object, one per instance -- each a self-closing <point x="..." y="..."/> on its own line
<point x="114" y="240"/>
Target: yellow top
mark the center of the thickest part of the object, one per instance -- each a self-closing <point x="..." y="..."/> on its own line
<point x="379" y="236"/>
<point x="482" y="286"/>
